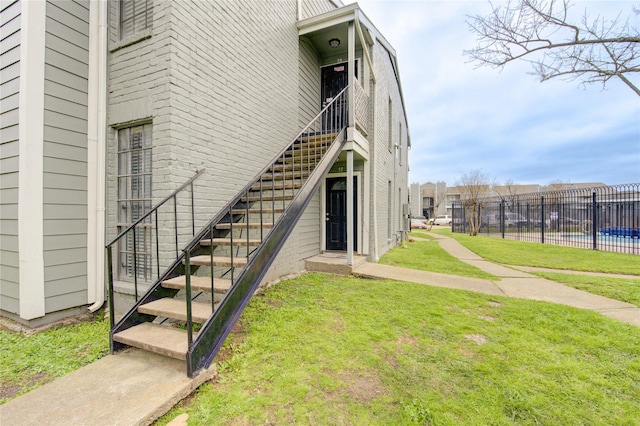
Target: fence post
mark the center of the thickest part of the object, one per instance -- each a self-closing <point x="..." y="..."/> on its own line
<point x="594" y="216"/>
<point x="502" y="218"/>
<point x="542" y="222"/>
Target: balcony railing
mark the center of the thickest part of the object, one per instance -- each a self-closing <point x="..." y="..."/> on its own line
<point x="361" y="105"/>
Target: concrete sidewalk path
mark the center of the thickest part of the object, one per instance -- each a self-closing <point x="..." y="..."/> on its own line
<point x="133" y="387"/>
<point x="511" y="282"/>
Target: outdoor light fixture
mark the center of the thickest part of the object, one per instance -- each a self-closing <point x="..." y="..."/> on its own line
<point x="334" y="43"/>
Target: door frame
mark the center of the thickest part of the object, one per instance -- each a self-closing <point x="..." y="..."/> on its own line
<point x="356" y="64"/>
<point x="357" y="220"/>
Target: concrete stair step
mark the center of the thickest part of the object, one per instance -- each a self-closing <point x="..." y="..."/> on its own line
<point x="199" y="284"/>
<point x="287" y="168"/>
<point x="257" y="210"/>
<point x="268" y="197"/>
<point x="306" y="151"/>
<point x="244" y="225"/>
<point x="317" y="139"/>
<point x="267" y="178"/>
<point x="277" y="185"/>
<point x="177" y="309"/>
<point x="159" y="339"/>
<point x="243" y="242"/>
<point x="297" y="160"/>
<point x="205" y="260"/>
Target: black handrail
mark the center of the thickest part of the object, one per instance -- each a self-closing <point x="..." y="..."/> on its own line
<point x="196" y="239"/>
<point x="216" y="329"/>
<point x="331" y="137"/>
<point x="132" y="228"/>
<point x="157" y="206"/>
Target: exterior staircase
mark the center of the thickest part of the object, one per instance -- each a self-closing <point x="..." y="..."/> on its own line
<point x="192" y="307"/>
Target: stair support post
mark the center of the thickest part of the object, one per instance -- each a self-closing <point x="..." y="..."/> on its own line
<point x="110" y="287"/>
<point x="350" y="242"/>
<point x="213" y="299"/>
<point x="231" y="239"/>
<point x="157" y="247"/>
<point x="135" y="264"/>
<point x="187" y="276"/>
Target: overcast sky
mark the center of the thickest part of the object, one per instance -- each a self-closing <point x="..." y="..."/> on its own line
<point x="505" y="123"/>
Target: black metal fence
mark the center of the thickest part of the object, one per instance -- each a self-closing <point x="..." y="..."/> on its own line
<point x="603" y="218"/>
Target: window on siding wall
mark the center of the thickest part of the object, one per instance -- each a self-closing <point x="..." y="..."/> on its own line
<point x="135" y="16"/>
<point x="400" y="144"/>
<point x="134" y="199"/>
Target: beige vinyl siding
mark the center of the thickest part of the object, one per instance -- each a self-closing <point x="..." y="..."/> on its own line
<point x="390" y="183"/>
<point x="316" y="7"/>
<point x="65" y="154"/>
<point x="9" y="94"/>
<point x="309" y="81"/>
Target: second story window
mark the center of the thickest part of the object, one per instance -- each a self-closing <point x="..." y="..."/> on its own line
<point x="135" y="16"/>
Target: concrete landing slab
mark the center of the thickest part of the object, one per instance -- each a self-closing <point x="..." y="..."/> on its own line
<point x="133" y="387"/>
<point x="333" y="263"/>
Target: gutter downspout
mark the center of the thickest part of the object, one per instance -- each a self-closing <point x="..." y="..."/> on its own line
<point x="374" y="177"/>
<point x="96" y="156"/>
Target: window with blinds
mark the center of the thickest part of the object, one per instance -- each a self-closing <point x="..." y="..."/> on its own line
<point x="134" y="199"/>
<point x="135" y="16"/>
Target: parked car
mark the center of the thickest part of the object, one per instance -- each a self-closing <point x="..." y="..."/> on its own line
<point x="418" y="224"/>
<point x="443" y="219"/>
<point x="510" y="220"/>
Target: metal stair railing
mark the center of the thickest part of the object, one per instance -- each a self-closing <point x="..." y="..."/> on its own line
<point x="312" y="153"/>
<point x="131" y="230"/>
<point x="329" y="130"/>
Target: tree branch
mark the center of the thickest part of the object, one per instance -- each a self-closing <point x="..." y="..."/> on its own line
<point x="539" y="29"/>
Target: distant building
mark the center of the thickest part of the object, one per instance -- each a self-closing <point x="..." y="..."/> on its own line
<point x="415" y="200"/>
<point x="437" y="198"/>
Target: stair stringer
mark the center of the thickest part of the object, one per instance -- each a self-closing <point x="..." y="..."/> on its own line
<point x="217" y="328"/>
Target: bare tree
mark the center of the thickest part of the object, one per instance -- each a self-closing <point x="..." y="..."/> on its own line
<point x="539" y="31"/>
<point x="512" y="190"/>
<point x="474" y="186"/>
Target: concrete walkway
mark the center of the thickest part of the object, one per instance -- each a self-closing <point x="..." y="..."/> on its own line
<point x="512" y="282"/>
<point x="133" y="387"/>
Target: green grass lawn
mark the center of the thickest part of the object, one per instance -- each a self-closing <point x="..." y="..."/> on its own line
<point x="522" y="253"/>
<point x="322" y="349"/>
<point x="27" y="362"/>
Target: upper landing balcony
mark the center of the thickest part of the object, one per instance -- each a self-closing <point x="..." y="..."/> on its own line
<point x="342" y="40"/>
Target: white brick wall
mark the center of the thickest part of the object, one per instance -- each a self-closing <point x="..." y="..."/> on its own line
<point x="387" y="166"/>
<point x="221" y="83"/>
<point x="227" y="84"/>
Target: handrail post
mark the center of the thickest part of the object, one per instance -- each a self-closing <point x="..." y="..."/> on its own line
<point x="193" y="214"/>
<point x="175" y="220"/>
<point x="187" y="274"/>
<point x="213" y="298"/>
<point x="157" y="248"/>
<point x="231" y="239"/>
<point x="110" y="285"/>
<point x="135" y="264"/>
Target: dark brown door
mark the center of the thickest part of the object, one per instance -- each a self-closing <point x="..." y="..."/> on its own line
<point x="337" y="213"/>
<point x="334" y="79"/>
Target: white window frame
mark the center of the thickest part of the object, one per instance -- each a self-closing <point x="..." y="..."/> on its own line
<point x="134" y="199"/>
<point x="139" y="19"/>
